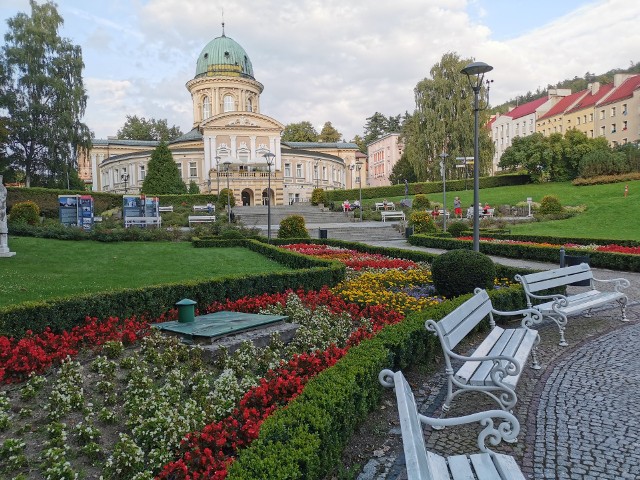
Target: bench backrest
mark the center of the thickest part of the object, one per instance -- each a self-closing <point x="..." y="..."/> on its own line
<point x="415" y="451"/>
<point x="535" y="282"/>
<point x="455" y="326"/>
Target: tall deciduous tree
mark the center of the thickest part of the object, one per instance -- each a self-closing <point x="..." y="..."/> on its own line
<point x="329" y="134"/>
<point x="163" y="176"/>
<point x="444" y="120"/>
<point x="403" y="170"/>
<point x="299" y="132"/>
<point x="42" y="91"/>
<point x="142" y="129"/>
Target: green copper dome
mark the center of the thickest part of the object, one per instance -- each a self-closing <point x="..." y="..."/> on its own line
<point x="224" y="57"/>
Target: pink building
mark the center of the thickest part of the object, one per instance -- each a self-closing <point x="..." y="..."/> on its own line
<point x="382" y="155"/>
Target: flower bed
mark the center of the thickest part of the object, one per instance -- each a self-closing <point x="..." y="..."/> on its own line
<point x="591" y="247"/>
<point x="351" y="258"/>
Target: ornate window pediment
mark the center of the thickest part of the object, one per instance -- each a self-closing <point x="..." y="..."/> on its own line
<point x="242" y="121"/>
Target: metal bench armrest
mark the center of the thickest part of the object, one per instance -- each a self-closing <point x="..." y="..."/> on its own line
<point x="619" y="282"/>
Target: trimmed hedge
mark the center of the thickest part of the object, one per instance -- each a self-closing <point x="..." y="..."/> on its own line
<point x="65" y="313"/>
<point x="563" y="240"/>
<point x="305" y="439"/>
<point x="47" y="199"/>
<point x="613" y="261"/>
<point x="425" y="187"/>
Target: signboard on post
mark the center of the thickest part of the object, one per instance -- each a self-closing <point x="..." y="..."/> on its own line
<point x="85" y="212"/>
<point x="68" y="210"/>
<point x="131" y="206"/>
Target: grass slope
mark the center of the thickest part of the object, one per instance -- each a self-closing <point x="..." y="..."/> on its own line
<point x="44" y="269"/>
<point x="609" y="214"/>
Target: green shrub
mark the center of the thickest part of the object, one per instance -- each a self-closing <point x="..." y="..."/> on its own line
<point x="549" y="205"/>
<point x="422" y="222"/>
<point x="459" y="272"/>
<point x="293" y="227"/>
<point x="457" y="229"/>
<point x="222" y="199"/>
<point x="421" y="202"/>
<point x="25" y="212"/>
<point x="318" y="196"/>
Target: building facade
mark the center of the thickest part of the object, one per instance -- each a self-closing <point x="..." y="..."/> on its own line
<point x="229" y="143"/>
<point x="382" y="155"/>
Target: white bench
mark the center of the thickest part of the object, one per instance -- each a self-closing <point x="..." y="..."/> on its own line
<point x="391" y="214"/>
<point x="481" y="214"/>
<point x="201" y="219"/>
<point x="558" y="307"/>
<point x="495" y="366"/>
<point x="142" y="221"/>
<point x="424" y="465"/>
<point x="203" y="208"/>
<point x="380" y="206"/>
<point x="168" y="208"/>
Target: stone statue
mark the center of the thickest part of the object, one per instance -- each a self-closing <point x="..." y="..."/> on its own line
<point x="4" y="232"/>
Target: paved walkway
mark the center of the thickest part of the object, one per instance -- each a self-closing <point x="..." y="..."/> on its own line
<point x="579" y="414"/>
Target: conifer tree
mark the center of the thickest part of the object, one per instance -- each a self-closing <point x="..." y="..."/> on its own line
<point x="163" y="176"/>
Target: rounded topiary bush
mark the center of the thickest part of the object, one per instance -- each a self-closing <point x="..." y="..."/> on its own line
<point x="420" y="202"/>
<point x="458" y="272"/>
<point x="293" y="227"/>
<point x="25" y="212"/>
<point x="456" y="229"/>
<point x="550" y="205"/>
<point x="422" y="222"/>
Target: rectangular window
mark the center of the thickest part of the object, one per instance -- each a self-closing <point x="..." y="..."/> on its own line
<point x="591" y="133"/>
<point x="613" y="128"/>
<point x="602" y="130"/>
<point x="143" y="173"/>
<point x="299" y="170"/>
<point x="601" y="114"/>
<point x="624" y="109"/>
<point x="624" y="125"/>
<point x="179" y="165"/>
<point x="287" y="169"/>
<point x="578" y="121"/>
<point x="193" y="169"/>
<point x="324" y="173"/>
<point x="591" y="117"/>
<point x="613" y="111"/>
<point x="585" y="118"/>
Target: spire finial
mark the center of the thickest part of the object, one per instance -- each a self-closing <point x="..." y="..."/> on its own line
<point x="222" y="22"/>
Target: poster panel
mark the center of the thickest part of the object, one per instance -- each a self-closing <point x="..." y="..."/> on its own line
<point x="68" y="210"/>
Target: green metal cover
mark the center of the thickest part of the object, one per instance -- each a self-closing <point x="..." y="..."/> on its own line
<point x="219" y="324"/>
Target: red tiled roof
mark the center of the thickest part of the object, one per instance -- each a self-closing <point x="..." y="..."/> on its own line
<point x="625" y="90"/>
<point x="526" y="108"/>
<point x="590" y="100"/>
<point x="563" y="104"/>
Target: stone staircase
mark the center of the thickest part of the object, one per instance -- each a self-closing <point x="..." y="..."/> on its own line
<point x="255" y="216"/>
<point x="337" y="224"/>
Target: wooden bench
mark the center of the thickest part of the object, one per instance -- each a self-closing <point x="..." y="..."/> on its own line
<point x="424" y="465"/>
<point x="558" y="307"/>
<point x="495" y="366"/>
<point x="380" y="206"/>
<point x="399" y="214"/>
<point x="203" y="208"/>
<point x="481" y="214"/>
<point x="201" y="219"/>
<point x="168" y="208"/>
<point x="142" y="221"/>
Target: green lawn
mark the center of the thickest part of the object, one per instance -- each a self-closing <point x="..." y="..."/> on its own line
<point x="44" y="269"/>
<point x="608" y="213"/>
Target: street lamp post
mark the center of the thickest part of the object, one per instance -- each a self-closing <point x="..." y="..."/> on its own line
<point x="316" y="164"/>
<point x="443" y="170"/>
<point x="269" y="158"/>
<point x="218" y="173"/>
<point x="125" y="179"/>
<point x="359" y="167"/>
<point x="477" y="71"/>
<point x="227" y="165"/>
<point x="351" y="167"/>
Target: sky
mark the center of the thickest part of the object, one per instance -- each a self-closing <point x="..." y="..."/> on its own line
<point x="332" y="60"/>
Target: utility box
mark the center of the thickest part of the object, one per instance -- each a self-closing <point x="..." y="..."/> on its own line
<point x="186" y="310"/>
<point x="571" y="260"/>
<point x="322" y="233"/>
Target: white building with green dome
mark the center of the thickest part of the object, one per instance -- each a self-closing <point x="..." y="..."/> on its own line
<point x="228" y="142"/>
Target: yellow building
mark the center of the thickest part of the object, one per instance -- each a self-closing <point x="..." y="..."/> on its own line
<point x="228" y="142"/>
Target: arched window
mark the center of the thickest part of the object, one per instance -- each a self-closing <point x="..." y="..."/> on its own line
<point x="229" y="103"/>
<point x="249" y="105"/>
<point x="206" y="108"/>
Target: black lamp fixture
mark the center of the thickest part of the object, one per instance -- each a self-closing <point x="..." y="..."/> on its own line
<point x="475" y="74"/>
<point x="269" y="157"/>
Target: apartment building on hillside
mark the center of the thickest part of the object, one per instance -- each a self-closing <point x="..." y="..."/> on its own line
<point x="581" y="115"/>
<point x="618" y="114"/>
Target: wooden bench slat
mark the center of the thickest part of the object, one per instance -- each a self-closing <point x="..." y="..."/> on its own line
<point x="507" y="344"/>
<point x="484" y="467"/>
<point x="460" y="468"/>
<point x="436" y="467"/>
<point x="507" y="467"/>
<point x="468" y="369"/>
<point x="456" y="325"/>
<point x="559" y="281"/>
<point x="556" y="272"/>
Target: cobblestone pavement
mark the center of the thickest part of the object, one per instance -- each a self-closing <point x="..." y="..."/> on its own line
<point x="579" y="414"/>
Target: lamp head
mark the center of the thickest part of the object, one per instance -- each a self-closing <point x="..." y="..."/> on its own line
<point x="269" y="158"/>
<point x="358" y="165"/>
<point x="476" y="69"/>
